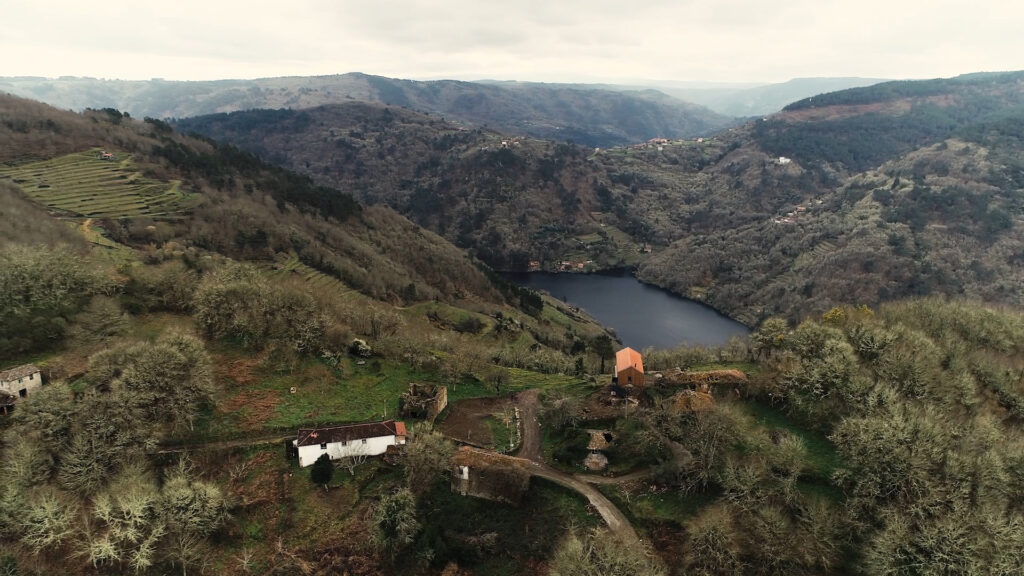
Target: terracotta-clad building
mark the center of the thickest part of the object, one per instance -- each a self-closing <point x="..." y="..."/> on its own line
<point x="629" y="367"/>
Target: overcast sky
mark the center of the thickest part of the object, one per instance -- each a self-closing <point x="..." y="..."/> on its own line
<point x="540" y="40"/>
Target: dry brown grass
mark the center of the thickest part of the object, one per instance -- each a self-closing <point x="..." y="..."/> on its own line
<point x="255" y="406"/>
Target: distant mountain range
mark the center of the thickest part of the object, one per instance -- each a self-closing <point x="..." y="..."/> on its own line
<point x="589" y="114"/>
<point x="742" y="100"/>
<point x="586" y="115"/>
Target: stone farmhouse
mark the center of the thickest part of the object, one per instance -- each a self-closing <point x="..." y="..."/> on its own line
<point x="18" y="382"/>
<point x="367" y="439"/>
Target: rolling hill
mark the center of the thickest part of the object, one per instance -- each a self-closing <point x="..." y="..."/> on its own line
<point x="589" y="116"/>
<point x="902" y="188"/>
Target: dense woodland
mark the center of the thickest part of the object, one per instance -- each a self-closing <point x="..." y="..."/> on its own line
<point x="868" y="440"/>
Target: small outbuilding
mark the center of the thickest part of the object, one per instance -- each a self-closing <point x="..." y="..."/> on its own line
<point x="367" y="439"/>
<point x="629" y="367"/>
<point x="488" y="475"/>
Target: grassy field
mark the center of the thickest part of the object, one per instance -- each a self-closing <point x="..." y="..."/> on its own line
<point x="252" y="396"/>
<point x="84" y="185"/>
<point x="645" y="506"/>
<point x="820" y="451"/>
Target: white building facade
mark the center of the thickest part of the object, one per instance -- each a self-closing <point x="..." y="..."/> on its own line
<point x="21" y="381"/>
<point x="369" y="439"/>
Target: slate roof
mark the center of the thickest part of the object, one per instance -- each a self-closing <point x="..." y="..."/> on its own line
<point x="350" y="432"/>
<point x="18" y="372"/>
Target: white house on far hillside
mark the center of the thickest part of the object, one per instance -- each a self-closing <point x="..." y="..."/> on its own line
<point x="369" y="439"/>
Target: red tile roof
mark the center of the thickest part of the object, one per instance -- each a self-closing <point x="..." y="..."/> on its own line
<point x="628" y="358"/>
<point x="399" y="428"/>
<point x="348" y="433"/>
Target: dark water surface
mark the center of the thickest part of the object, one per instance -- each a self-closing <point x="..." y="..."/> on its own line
<point x="641" y="315"/>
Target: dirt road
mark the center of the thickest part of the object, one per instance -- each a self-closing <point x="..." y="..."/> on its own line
<point x="613" y="517"/>
<point x="528" y="402"/>
<point x="530" y="448"/>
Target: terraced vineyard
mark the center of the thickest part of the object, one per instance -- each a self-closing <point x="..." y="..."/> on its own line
<point x="320" y="282"/>
<point x="88" y="185"/>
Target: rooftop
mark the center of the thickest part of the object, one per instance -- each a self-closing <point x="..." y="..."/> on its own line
<point x="628" y="358"/>
<point x="349" y="432"/>
<point x="18" y="372"/>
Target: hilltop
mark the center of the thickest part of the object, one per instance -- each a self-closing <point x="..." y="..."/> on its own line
<point x="590" y="116"/>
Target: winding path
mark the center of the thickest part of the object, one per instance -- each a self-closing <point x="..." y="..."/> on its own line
<point x="530" y="451"/>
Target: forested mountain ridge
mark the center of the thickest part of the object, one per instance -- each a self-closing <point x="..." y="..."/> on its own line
<point x="747" y="101"/>
<point x="896" y="190"/>
<point x="860" y="128"/>
<point x="900" y="189"/>
<point x="587" y="115"/>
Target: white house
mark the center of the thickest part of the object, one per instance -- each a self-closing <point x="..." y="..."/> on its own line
<point x="21" y="381"/>
<point x="369" y="439"/>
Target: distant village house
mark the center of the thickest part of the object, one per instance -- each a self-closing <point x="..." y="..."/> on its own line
<point x="369" y="439"/>
<point x="629" y="367"/>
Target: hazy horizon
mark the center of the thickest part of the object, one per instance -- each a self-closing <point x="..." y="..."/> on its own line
<point x="730" y="41"/>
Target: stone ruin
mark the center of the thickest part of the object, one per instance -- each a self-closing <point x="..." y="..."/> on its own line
<point x="424" y="401"/>
<point x="488" y="475"/>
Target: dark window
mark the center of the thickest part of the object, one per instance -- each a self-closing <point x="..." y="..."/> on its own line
<point x="23" y="392"/>
<point x="323" y="445"/>
<point x="364" y="440"/>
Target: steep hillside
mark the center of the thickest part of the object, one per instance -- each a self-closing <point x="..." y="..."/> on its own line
<point x="189" y="307"/>
<point x="511" y="200"/>
<point x="904" y="188"/>
<point x="895" y="190"/>
<point x="159" y="188"/>
<point x="586" y="115"/>
<point x="857" y="129"/>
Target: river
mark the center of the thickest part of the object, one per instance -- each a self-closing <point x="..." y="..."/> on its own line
<point x="642" y="315"/>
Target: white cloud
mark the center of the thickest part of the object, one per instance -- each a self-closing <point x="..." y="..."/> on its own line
<point x="565" y="40"/>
